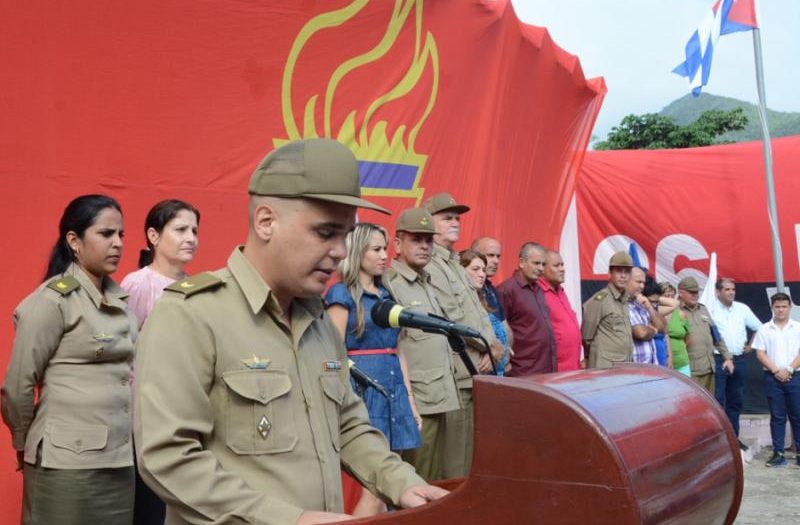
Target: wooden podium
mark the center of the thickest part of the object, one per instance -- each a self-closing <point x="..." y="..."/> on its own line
<point x="636" y="444"/>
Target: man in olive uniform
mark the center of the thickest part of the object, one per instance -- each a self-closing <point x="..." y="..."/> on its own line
<point x="705" y="336"/>
<point x="430" y="365"/>
<point x="606" y="327"/>
<point x="461" y="304"/>
<point x="244" y="408"/>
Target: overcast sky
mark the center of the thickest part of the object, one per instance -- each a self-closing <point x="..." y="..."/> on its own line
<point x="635" y="44"/>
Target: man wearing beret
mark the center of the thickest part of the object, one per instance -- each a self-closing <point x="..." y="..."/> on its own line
<point x="461" y="304"/>
<point x="430" y="363"/>
<point x="606" y="327"/>
<point x="705" y="336"/>
<point x="244" y="408"/>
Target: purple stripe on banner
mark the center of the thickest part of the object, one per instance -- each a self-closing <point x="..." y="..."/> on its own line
<point x="387" y="176"/>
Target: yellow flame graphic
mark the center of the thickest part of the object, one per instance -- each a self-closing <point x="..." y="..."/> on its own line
<point x="369" y="142"/>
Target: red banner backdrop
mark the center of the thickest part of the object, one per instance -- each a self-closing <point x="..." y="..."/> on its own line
<point x="679" y="206"/>
<point x="150" y="100"/>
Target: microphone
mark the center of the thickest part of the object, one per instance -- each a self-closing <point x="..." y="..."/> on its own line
<point x="388" y="314"/>
<point x="361" y="377"/>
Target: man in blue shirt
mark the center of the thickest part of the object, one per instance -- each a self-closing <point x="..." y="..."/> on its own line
<point x="733" y="319"/>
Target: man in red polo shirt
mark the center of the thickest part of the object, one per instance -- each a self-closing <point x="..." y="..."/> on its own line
<point x="562" y="316"/>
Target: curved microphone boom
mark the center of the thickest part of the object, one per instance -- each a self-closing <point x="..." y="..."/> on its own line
<point x="388" y="314"/>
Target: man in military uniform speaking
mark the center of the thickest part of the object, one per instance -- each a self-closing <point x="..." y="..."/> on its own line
<point x="244" y="408"/>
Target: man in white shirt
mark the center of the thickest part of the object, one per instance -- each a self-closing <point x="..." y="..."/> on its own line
<point x="777" y="346"/>
<point x="733" y="319"/>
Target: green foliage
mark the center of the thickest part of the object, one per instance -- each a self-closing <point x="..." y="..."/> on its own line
<point x="687" y="109"/>
<point x="654" y="131"/>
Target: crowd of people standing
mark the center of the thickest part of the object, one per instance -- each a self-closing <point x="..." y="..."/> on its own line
<point x="241" y="375"/>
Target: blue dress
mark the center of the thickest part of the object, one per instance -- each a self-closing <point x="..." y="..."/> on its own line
<point x="402" y="433"/>
<point x="502" y="336"/>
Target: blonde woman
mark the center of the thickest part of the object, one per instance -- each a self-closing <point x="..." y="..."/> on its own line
<point x="371" y="348"/>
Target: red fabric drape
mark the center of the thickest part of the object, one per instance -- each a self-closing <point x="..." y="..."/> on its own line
<point x="150" y="100"/>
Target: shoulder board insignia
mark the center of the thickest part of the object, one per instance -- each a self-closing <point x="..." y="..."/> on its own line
<point x="600" y="296"/>
<point x="196" y="283"/>
<point x="64" y="285"/>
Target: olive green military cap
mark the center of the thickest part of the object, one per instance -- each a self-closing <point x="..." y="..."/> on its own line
<point x="689" y="284"/>
<point x="621" y="259"/>
<point x="321" y="169"/>
<point x="444" y="202"/>
<point x="415" y="220"/>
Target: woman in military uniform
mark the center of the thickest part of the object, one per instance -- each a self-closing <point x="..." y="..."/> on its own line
<point x="74" y="345"/>
<point x="372" y="348"/>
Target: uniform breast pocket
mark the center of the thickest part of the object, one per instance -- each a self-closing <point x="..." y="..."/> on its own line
<point x="259" y="417"/>
<point x="428" y="386"/>
<point x="451" y="304"/>
<point x="334" y="397"/>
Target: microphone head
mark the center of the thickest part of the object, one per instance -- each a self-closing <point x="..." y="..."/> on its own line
<point x="380" y="313"/>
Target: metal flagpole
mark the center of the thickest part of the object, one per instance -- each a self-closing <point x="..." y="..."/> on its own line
<point x="777" y="252"/>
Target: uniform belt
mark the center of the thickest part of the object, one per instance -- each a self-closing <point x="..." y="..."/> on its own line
<point x="372" y="351"/>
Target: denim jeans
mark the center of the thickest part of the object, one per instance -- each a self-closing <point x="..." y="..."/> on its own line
<point x="784" y="400"/>
<point x="729" y="389"/>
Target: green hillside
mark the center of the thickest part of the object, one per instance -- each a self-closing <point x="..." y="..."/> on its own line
<point x="686" y="109"/>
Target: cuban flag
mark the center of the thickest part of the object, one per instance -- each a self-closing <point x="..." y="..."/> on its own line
<point x="725" y="16"/>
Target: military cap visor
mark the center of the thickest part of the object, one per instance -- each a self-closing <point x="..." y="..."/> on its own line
<point x="415" y="220"/>
<point x="689" y="284"/>
<point x="621" y="260"/>
<point x="320" y="169"/>
<point x="442" y="202"/>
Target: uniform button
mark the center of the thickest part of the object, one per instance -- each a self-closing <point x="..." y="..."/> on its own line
<point x="262" y="395"/>
<point x="124" y="382"/>
<point x="127" y="439"/>
<point x="127" y="409"/>
<point x="78" y="443"/>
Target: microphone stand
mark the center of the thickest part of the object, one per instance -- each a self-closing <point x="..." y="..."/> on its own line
<point x="460" y="347"/>
<point x="382" y="391"/>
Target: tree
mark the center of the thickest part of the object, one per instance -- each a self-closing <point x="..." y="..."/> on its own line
<point x="654" y="131"/>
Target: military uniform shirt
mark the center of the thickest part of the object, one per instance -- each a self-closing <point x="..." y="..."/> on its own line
<point x="78" y="349"/>
<point x="461" y="304"/>
<point x="243" y="419"/>
<point x="430" y="362"/>
<point x="701" y="343"/>
<point x="607" y="327"/>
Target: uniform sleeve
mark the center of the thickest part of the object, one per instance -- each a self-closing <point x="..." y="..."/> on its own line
<point x="175" y="368"/>
<point x="39" y="327"/>
<point x="591" y="319"/>
<point x="759" y="342"/>
<point x="338" y="294"/>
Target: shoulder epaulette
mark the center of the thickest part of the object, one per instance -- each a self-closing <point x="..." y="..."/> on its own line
<point x="599" y="296"/>
<point x="195" y="283"/>
<point x="64" y="285"/>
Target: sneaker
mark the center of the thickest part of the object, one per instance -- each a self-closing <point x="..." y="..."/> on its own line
<point x="777" y="460"/>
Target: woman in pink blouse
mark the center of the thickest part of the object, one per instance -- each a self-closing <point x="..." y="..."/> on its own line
<point x="171" y="233"/>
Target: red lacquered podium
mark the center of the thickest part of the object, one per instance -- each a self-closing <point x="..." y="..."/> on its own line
<point x="632" y="445"/>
